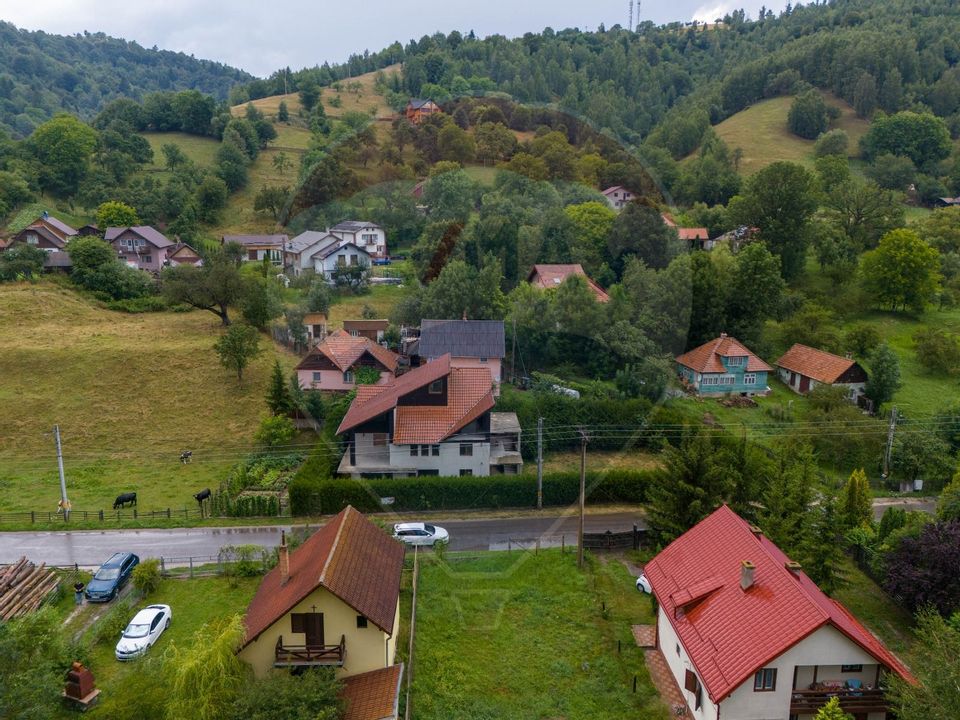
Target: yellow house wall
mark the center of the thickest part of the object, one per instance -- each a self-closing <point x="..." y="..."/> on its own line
<point x="367" y="648"/>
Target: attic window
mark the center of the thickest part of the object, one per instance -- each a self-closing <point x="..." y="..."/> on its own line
<point x="736" y="361"/>
<point x="765" y="680"/>
<point x="436" y="387"/>
<point x="361" y="621"/>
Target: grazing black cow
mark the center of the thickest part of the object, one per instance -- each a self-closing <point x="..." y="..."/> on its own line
<point x="202" y="495"/>
<point x="124" y="499"/>
<point x="186" y="456"/>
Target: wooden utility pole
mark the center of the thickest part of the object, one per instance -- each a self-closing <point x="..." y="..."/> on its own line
<point x="888" y="451"/>
<point x="64" y="502"/>
<point x="539" y="463"/>
<point x="583" y="492"/>
<point x="513" y="353"/>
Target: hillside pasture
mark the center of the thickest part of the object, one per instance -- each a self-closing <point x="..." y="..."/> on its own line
<point x="199" y="149"/>
<point x="129" y="392"/>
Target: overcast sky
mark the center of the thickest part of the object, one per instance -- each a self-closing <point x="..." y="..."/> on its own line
<point x="261" y="36"/>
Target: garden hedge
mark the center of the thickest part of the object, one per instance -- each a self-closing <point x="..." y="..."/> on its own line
<point x="313" y="495"/>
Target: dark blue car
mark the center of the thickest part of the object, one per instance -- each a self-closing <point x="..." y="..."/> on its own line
<point x="111" y="576"/>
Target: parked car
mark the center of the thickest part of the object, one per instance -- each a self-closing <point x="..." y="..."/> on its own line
<point x="111" y="576"/>
<point x="381" y="261"/>
<point x="420" y="534"/>
<point x="143" y="631"/>
<point x="643" y="585"/>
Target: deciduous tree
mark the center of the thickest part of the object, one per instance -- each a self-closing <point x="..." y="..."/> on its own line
<point x="237" y="347"/>
<point x="936" y="694"/>
<point x="884" y="375"/>
<point x="903" y="272"/>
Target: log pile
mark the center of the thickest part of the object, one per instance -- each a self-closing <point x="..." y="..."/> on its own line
<point x="23" y="586"/>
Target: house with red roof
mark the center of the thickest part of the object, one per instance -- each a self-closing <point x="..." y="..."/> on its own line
<point x="747" y="635"/>
<point x="802" y="368"/>
<point x="723" y="366"/>
<point x="333" y="601"/>
<point x="333" y="364"/>
<point x="548" y="277"/>
<point x="695" y="238"/>
<point x="434" y="420"/>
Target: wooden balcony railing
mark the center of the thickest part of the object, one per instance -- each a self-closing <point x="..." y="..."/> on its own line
<point x="286" y="655"/>
<point x="804" y="702"/>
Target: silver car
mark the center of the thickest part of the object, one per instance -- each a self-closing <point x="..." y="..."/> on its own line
<point x="420" y="534"/>
<point x="143" y="631"/>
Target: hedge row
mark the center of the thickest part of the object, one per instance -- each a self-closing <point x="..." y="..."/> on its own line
<point x="320" y="496"/>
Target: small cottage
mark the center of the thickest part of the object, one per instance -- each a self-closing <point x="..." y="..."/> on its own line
<point x="802" y="368"/>
<point x="723" y="366"/>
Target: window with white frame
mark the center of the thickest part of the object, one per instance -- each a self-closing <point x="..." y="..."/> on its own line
<point x="435" y="388"/>
<point x="317" y="377"/>
<point x="749" y="378"/>
<point x="765" y="680"/>
<point x="348" y="376"/>
<point x="466" y="449"/>
<point x="413" y="450"/>
<point x="736" y="361"/>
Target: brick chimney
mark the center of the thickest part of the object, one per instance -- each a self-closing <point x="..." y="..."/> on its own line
<point x="284" y="560"/>
<point x="747" y="569"/>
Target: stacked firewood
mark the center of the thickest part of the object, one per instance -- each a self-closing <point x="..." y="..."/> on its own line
<point x="23" y="586"/>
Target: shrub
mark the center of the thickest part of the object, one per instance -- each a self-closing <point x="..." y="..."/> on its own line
<point x="861" y="339"/>
<point x="937" y="351"/>
<point x="109" y="628"/>
<point x="146" y="576"/>
<point x="148" y="303"/>
<point x="834" y="142"/>
<point x="275" y="431"/>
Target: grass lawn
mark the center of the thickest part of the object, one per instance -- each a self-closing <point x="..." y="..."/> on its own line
<point x="529" y="636"/>
<point x="875" y="609"/>
<point x="381" y="298"/>
<point x="761" y="132"/>
<point x="597" y="460"/>
<point x="28" y="213"/>
<point x="201" y="150"/>
<point x="483" y="174"/>
<point x="194" y="603"/>
<point x="129" y="392"/>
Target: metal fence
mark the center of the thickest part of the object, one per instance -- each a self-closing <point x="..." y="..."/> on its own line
<point x="105" y="516"/>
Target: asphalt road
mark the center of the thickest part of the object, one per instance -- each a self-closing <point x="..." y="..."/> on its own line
<point x="90" y="548"/>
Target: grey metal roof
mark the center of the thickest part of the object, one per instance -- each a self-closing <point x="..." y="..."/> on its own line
<point x="354" y="225"/>
<point x="462" y="338"/>
<point x="307" y="239"/>
<point x="151" y="235"/>
<point x="417" y="103"/>
<point x="330" y="250"/>
<point x="59" y="224"/>
<point x="278" y="240"/>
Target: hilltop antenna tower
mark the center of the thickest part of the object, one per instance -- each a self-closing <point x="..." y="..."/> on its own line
<point x="630" y="22"/>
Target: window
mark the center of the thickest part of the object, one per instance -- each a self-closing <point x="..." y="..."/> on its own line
<point x="749" y="378"/>
<point x="296" y="623"/>
<point x="428" y="473"/>
<point x="348" y="376"/>
<point x="32" y="239"/>
<point x="851" y="668"/>
<point x="435" y="450"/>
<point x="354" y="259"/>
<point x="690" y="681"/>
<point x="466" y="449"/>
<point x="436" y="387"/>
<point x="148" y="258"/>
<point x="765" y="680"/>
<point x="341" y="260"/>
<point x="424" y="450"/>
<point x="361" y="621"/>
<point x="379" y="439"/>
<point x="709" y="380"/>
<point x="465" y="472"/>
<point x="737" y="361"/>
<point x="413" y="450"/>
<point x="678" y="649"/>
<point x="317" y="377"/>
<point x="483" y="359"/>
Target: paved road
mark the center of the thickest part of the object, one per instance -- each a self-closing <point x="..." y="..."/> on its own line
<point x="90" y="548"/>
<point x="920" y="504"/>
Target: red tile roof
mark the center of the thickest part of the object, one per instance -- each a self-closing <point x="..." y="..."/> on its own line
<point x="706" y="358"/>
<point x="469" y="395"/>
<point x="693" y="233"/>
<point x="350" y="557"/>
<point x="343" y="350"/>
<point x="822" y="366"/>
<point x="373" y="695"/>
<point x="551" y="276"/>
<point x="730" y="633"/>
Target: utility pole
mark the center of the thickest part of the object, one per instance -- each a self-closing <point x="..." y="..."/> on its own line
<point x="513" y="352"/>
<point x="583" y="492"/>
<point x="539" y="463"/>
<point x="64" y="503"/>
<point x="888" y="451"/>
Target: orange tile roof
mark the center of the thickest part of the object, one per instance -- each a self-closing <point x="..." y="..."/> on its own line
<point x="469" y="396"/>
<point x="820" y="365"/>
<point x="343" y="350"/>
<point x="706" y="358"/>
<point x="693" y="233"/>
<point x="373" y="695"/>
<point x="730" y="633"/>
<point x="551" y="276"/>
<point x="350" y="557"/>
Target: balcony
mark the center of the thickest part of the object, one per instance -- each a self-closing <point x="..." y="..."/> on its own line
<point x="854" y="701"/>
<point x="307" y="655"/>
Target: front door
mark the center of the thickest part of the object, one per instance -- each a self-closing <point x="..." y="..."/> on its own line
<point x="313" y="628"/>
<point x="804" y="383"/>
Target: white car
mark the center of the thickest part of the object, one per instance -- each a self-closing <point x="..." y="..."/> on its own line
<point x="643" y="585"/>
<point x="143" y="631"/>
<point x="420" y="534"/>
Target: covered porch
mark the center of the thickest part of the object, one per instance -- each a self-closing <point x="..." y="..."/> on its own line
<point x="309" y="655"/>
<point x="857" y="687"/>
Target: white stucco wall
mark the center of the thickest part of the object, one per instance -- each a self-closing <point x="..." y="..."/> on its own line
<point x="326" y="265"/>
<point x="679" y="663"/>
<point x="450" y="461"/>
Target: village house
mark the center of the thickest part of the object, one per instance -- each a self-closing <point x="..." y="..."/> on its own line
<point x="747" y="635"/>
<point x="618" y="196"/>
<point x="469" y="343"/>
<point x="45" y="233"/>
<point x="372" y="329"/>
<point x="141" y="246"/>
<point x="316" y="325"/>
<point x="723" y="365"/>
<point x="333" y="601"/>
<point x="299" y="252"/>
<point x="418" y="109"/>
<point x="333" y="364"/>
<point x="695" y="238"/>
<point x="257" y="248"/>
<point x="552" y="276"/>
<point x="802" y="368"/>
<point x="183" y="254"/>
<point x="344" y="254"/>
<point x="366" y="235"/>
<point x="434" y="420"/>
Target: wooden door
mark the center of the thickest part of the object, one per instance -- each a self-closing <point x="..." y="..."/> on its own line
<point x="804" y="383"/>
<point x="313" y="628"/>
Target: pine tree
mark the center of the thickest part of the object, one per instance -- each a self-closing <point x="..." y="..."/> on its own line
<point x="832" y="711"/>
<point x="856" y="506"/>
<point x="278" y="394"/>
<point x="788" y="498"/>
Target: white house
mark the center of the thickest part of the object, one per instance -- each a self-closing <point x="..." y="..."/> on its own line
<point x="327" y="260"/>
<point x="618" y="196"/>
<point x="299" y="253"/>
<point x="367" y="235"/>
<point x="747" y="635"/>
<point x="433" y="420"/>
<point x="257" y="248"/>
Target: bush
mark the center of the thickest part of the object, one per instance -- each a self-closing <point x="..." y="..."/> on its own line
<point x="245" y="560"/>
<point x="808" y="115"/>
<point x="275" y="431"/>
<point x="937" y="351"/>
<point x="834" y="142"/>
<point x="319" y="496"/>
<point x="149" y="303"/>
<point x="146" y="576"/>
<point x="109" y="628"/>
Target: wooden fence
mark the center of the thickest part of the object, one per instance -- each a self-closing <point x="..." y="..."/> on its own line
<point x="105" y="516"/>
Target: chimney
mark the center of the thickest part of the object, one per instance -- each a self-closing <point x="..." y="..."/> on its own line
<point x="747" y="569"/>
<point x="723" y="335"/>
<point x="794" y="567"/>
<point x="284" y="560"/>
<point x="757" y="532"/>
